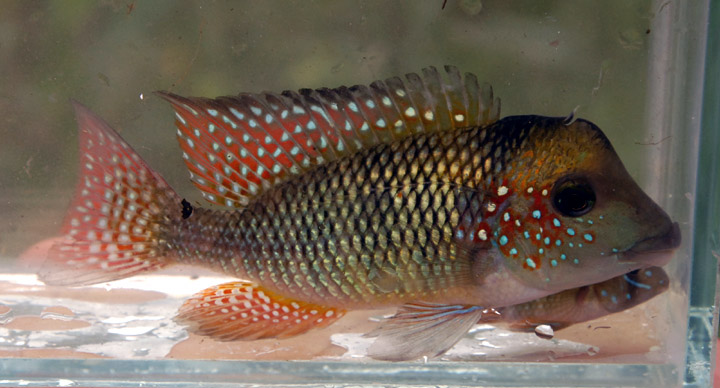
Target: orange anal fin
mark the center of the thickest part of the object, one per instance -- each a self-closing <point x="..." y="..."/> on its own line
<point x="244" y="311"/>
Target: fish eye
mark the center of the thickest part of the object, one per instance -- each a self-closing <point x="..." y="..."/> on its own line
<point x="573" y="198"/>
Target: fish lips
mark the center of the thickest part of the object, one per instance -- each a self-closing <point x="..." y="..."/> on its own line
<point x="655" y="250"/>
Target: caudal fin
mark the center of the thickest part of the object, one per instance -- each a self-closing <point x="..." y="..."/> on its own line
<point x="119" y="208"/>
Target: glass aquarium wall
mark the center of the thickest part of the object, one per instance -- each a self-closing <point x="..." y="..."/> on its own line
<point x="637" y="69"/>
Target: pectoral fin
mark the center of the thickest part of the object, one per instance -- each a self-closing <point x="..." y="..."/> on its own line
<point x="244" y="311"/>
<point x="422" y="329"/>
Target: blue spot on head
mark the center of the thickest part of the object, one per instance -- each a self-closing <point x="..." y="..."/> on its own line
<point x="590" y="222"/>
<point x="553" y="262"/>
<point x="580" y="245"/>
<point x="571" y="231"/>
<point x="556" y="222"/>
<point x="547" y="240"/>
<point x="613" y="298"/>
<point x="601" y="217"/>
<point x="571" y="245"/>
<point x="536" y="214"/>
<point x="530" y="262"/>
<point x="603" y="293"/>
<point x="541" y="251"/>
<point x="648" y="273"/>
<point x="588" y="236"/>
<point x="526" y="234"/>
<point x="503" y="240"/>
<point x="628" y="296"/>
<point x="615" y="250"/>
<point x="563" y="257"/>
<point x="513" y="251"/>
<point x="558" y="242"/>
<point x="538" y="236"/>
<point x="576" y="261"/>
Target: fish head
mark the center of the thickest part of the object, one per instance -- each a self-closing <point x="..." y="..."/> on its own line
<point x="573" y="214"/>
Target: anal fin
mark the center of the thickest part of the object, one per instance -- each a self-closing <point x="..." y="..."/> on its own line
<point x="422" y="330"/>
<point x="245" y="311"/>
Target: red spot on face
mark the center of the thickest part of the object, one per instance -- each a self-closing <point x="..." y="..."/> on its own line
<point x="530" y="232"/>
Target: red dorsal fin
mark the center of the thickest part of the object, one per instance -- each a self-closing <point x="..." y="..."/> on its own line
<point x="245" y="311"/>
<point x="235" y="147"/>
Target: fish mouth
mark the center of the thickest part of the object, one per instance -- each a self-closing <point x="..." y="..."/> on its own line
<point x="655" y="250"/>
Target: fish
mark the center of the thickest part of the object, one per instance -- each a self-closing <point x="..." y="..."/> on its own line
<point x="583" y="304"/>
<point x="408" y="193"/>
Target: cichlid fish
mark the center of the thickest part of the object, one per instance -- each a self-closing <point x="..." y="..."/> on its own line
<point x="408" y="193"/>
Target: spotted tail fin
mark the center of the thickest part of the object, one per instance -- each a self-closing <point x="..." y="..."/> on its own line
<point x="111" y="230"/>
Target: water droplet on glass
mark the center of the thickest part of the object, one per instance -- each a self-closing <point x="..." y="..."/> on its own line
<point x="471" y="7"/>
<point x="631" y="39"/>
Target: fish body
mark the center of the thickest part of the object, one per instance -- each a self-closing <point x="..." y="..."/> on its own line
<point x="402" y="193"/>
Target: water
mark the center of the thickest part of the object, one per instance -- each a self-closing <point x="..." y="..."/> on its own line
<point x="132" y="319"/>
<point x="634" y="68"/>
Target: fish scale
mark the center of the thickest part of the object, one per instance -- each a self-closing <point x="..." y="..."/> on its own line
<point x="409" y="193"/>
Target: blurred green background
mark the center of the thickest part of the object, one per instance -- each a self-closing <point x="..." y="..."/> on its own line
<point x="542" y="57"/>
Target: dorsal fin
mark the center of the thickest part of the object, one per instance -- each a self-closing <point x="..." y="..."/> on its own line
<point x="235" y="147"/>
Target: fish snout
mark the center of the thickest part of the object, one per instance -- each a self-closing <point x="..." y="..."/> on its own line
<point x="667" y="240"/>
<point x="656" y="250"/>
